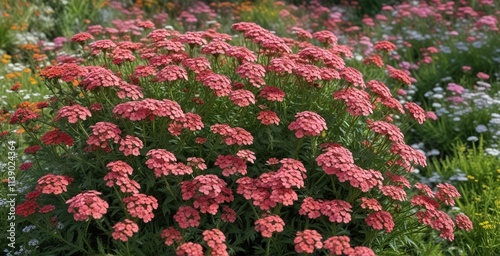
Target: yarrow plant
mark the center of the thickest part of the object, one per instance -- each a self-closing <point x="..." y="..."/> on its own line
<point x="209" y="146"/>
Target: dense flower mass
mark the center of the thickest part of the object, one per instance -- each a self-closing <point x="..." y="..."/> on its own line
<point x="307" y="123"/>
<point x="87" y="204"/>
<point x="184" y="138"/>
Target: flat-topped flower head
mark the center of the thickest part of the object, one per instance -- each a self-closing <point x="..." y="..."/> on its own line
<point x="99" y="77"/>
<point x="308" y="240"/>
<point x="357" y="101"/>
<point x="124" y="230"/>
<point x="307" y="123"/>
<point x="242" y="54"/>
<point x="197" y="65"/>
<point x="385" y="46"/>
<point x="269" y="224"/>
<point x="242" y="97"/>
<point x="81" y="37"/>
<point x="338" y="245"/>
<point x="87" y="204"/>
<point x="380" y="220"/>
<point x="326" y="37"/>
<point x="220" y="84"/>
<point x="74" y="113"/>
<point x="253" y="72"/>
<point x="171" y="73"/>
<point x="268" y="117"/>
<point x="189" y="249"/>
<point x="353" y="76"/>
<point x="141" y="206"/>
<point x="171" y="236"/>
<point x="53" y="184"/>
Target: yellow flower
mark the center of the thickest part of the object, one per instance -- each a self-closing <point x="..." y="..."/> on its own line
<point x="487" y="225"/>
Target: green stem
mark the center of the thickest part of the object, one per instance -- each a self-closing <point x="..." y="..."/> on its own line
<point x="268" y="247"/>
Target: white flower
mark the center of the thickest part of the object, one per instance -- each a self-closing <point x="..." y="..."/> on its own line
<point x="472" y="138"/>
<point x="481" y="128"/>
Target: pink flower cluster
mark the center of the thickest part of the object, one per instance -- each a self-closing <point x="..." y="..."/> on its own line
<point x="87" y="204"/>
<point x="141" y="206"/>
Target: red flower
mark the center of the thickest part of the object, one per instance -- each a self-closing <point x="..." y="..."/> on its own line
<point x="73" y="113"/>
<point x="353" y="76"/>
<point x="399" y="75"/>
<point x="170" y="46"/>
<point x="427" y="202"/>
<point x="424" y="189"/>
<point x="23" y="115"/>
<point x="380" y="220"/>
<point x="337" y="211"/>
<point x="282" y="65"/>
<point x="141" y="206"/>
<point x="408" y="154"/>
<point x="311" y="208"/>
<point x="242" y="54"/>
<point x="131" y="145"/>
<point x="26" y="208"/>
<point x="31" y="149"/>
<point x="104" y="44"/>
<point x="242" y="98"/>
<point x="447" y="193"/>
<point x="187" y="216"/>
<point x="463" y="222"/>
<point x="230" y="165"/>
<point x="53" y="184"/>
<point x="228" y="214"/>
<point x="193" y="39"/>
<point x="215" y="240"/>
<point x="121" y="55"/>
<point x="220" y="84"/>
<point x="189" y="249"/>
<point x="268" y="225"/>
<point x="416" y="112"/>
<point x="385" y="46"/>
<point x="99" y="77"/>
<point x="310" y="73"/>
<point x="307" y="123"/>
<point x="438" y="220"/>
<point x="121" y="180"/>
<point x="87" y="204"/>
<point x="253" y="72"/>
<point x="337" y="245"/>
<point x="171" y="73"/>
<point x="374" y="59"/>
<point x="56" y="137"/>
<point x="326" y="37"/>
<point x="102" y="134"/>
<point x="171" y="235"/>
<point x="272" y="93"/>
<point x="215" y="48"/>
<point x="391" y="131"/>
<point x="301" y="33"/>
<point x="370" y="203"/>
<point x="268" y="117"/>
<point x="197" y="65"/>
<point x="144" y="71"/>
<point x="149" y="108"/>
<point x="396" y="193"/>
<point x="26" y="166"/>
<point x="47" y="208"/>
<point x="308" y="240"/>
<point x="360" y="251"/>
<point x="81" y="37"/>
<point x="357" y="101"/>
<point x="124" y="230"/>
<point x="131" y="91"/>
